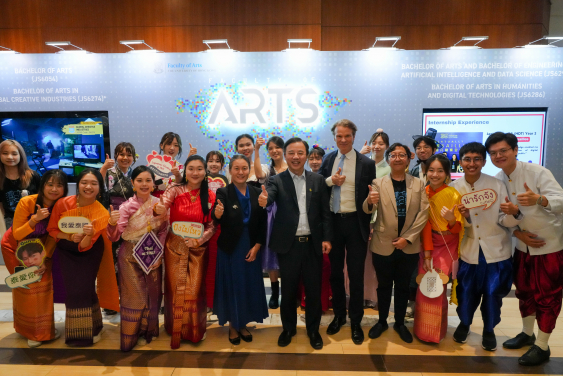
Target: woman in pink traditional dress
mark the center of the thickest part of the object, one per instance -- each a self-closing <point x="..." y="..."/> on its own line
<point x="140" y="291"/>
<point x="440" y="241"/>
<point x="185" y="259"/>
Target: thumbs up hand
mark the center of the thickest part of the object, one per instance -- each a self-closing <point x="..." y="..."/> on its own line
<point x="263" y="198"/>
<point x="88" y="230"/>
<point x="41" y="214"/>
<point x="338" y="178"/>
<point x="108" y="163"/>
<point x="219" y="209"/>
<point x="528" y="198"/>
<point x="507" y="207"/>
<point x="193" y="151"/>
<point x="373" y="196"/>
<point x="160" y="208"/>
<point x="366" y="149"/>
<point x="113" y="216"/>
<point x="448" y="214"/>
<point x="259" y="142"/>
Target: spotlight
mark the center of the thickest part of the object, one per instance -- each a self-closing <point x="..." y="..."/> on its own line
<point x="474" y="47"/>
<point x="299" y="41"/>
<point x="217" y="41"/>
<point x="67" y="43"/>
<point x="555" y="39"/>
<point x="128" y="42"/>
<point x="384" y="39"/>
<point x="8" y="51"/>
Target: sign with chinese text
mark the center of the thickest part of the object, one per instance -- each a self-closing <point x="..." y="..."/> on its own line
<point x="73" y="225"/>
<point x="23" y="278"/>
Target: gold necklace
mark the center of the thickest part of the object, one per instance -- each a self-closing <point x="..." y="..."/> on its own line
<point x="193" y="198"/>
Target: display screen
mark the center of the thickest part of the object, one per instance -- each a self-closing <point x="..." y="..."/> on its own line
<point x="453" y="128"/>
<point x="71" y="141"/>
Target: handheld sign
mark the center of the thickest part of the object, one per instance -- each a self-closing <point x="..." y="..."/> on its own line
<point x="31" y="252"/>
<point x="162" y="165"/>
<point x="23" y="278"/>
<point x="148" y="251"/>
<point x="73" y="225"/>
<point x="432" y="283"/>
<point x="484" y="197"/>
<point x="191" y="230"/>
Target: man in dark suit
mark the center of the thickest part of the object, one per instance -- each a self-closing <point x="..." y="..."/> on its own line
<point x="301" y="233"/>
<point x="348" y="175"/>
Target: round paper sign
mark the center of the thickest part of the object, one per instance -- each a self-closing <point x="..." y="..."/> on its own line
<point x="73" y="225"/>
<point x="191" y="230"/>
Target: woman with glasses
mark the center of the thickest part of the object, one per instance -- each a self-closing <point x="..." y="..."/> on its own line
<point x="402" y="213"/>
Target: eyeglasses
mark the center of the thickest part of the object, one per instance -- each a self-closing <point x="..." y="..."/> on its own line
<point x="420" y="148"/>
<point x="475" y="160"/>
<point x="501" y="152"/>
<point x="395" y="156"/>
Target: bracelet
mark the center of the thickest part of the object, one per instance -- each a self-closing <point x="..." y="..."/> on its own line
<point x="69" y="237"/>
<point x="428" y="258"/>
<point x="111" y="224"/>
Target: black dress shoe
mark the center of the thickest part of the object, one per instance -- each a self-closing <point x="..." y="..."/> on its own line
<point x="377" y="330"/>
<point x="357" y="334"/>
<point x="315" y="340"/>
<point x="285" y="337"/>
<point x="534" y="356"/>
<point x="275" y="297"/>
<point x="246" y="338"/>
<point x="519" y="341"/>
<point x="461" y="333"/>
<point x="235" y="341"/>
<point x="336" y="324"/>
<point x="403" y="332"/>
<point x="489" y="341"/>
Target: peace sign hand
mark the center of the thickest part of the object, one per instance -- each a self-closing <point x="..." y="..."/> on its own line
<point x="41" y="214"/>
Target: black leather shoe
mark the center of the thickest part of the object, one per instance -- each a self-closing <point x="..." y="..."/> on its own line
<point x="285" y="338"/>
<point x="519" y="341"/>
<point x="461" y="333"/>
<point x="235" y="341"/>
<point x="377" y="330"/>
<point x="336" y="324"/>
<point x="489" y="341"/>
<point x="403" y="332"/>
<point x="315" y="340"/>
<point x="246" y="338"/>
<point x="534" y="356"/>
<point x="357" y="334"/>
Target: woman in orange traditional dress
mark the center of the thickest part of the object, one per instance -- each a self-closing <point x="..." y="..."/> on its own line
<point x="33" y="307"/>
<point x="440" y="241"/>
<point x="185" y="260"/>
<point x="84" y="258"/>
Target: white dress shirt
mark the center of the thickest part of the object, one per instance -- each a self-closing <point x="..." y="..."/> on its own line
<point x="487" y="228"/>
<point x="300" y="189"/>
<point x="348" y="189"/>
<point x="546" y="223"/>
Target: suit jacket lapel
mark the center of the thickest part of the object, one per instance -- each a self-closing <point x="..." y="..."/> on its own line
<point x="308" y="188"/>
<point x="289" y="186"/>
<point x="388" y="187"/>
<point x="233" y="199"/>
<point x="409" y="182"/>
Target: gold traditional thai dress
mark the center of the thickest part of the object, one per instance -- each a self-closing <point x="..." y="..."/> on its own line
<point x="431" y="318"/>
<point x="81" y="268"/>
<point x="141" y="293"/>
<point x="185" y="308"/>
<point x="33" y="308"/>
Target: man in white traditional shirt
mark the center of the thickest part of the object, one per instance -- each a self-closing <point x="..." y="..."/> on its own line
<point x="538" y="259"/>
<point x="485" y="269"/>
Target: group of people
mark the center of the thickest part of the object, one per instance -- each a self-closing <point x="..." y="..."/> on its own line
<point x="352" y="231"/>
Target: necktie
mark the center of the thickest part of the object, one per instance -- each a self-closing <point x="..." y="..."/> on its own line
<point x="337" y="189"/>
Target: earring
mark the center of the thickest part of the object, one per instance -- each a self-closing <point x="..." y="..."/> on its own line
<point x="134" y="190"/>
<point x="152" y="190"/>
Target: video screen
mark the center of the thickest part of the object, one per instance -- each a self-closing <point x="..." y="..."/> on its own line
<point x="71" y="141"/>
<point x="453" y="128"/>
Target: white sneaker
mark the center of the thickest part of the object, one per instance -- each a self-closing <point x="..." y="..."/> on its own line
<point x="142" y="341"/>
<point x="31" y="343"/>
<point x="99" y="336"/>
<point x="204" y="336"/>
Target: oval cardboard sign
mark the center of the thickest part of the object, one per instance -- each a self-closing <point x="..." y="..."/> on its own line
<point x="191" y="230"/>
<point x="484" y="197"/>
<point x="73" y="225"/>
<point x="23" y="278"/>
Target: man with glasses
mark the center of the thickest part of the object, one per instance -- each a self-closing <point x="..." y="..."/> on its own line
<point x="402" y="213"/>
<point x="538" y="258"/>
<point x="485" y="268"/>
<point x="424" y="147"/>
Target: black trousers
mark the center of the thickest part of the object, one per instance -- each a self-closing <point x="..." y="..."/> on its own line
<point x="397" y="269"/>
<point x="348" y="241"/>
<point x="301" y="262"/>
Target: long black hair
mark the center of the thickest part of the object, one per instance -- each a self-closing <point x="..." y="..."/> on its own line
<point x="98" y="177"/>
<point x="139" y="170"/>
<point x="59" y="177"/>
<point x="204" y="190"/>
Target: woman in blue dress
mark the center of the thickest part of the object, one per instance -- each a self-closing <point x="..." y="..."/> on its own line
<point x="240" y="297"/>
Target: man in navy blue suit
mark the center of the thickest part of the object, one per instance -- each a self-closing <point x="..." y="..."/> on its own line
<point x="348" y="176"/>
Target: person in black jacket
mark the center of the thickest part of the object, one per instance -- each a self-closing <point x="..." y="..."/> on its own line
<point x="240" y="296"/>
<point x="348" y="175"/>
<point x="301" y="233"/>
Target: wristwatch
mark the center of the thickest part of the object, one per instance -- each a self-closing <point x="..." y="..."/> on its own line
<point x="540" y="200"/>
